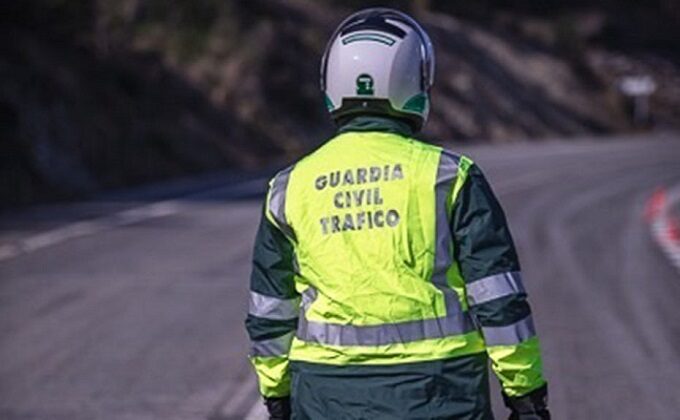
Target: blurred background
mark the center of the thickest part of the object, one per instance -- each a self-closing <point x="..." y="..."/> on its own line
<point x="101" y="94"/>
<point x="136" y="138"/>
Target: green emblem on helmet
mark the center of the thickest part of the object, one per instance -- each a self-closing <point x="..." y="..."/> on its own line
<point x="365" y="84"/>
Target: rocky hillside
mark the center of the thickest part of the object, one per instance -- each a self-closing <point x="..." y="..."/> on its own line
<point x="97" y="94"/>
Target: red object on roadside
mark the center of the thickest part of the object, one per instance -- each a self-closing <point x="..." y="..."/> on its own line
<point x="655" y="204"/>
<point x="673" y="229"/>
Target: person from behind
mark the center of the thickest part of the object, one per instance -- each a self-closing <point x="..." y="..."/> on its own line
<point x="384" y="273"/>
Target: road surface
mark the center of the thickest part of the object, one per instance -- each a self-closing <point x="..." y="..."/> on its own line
<point x="141" y="317"/>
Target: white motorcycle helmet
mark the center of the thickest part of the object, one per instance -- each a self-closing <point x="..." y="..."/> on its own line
<point x="379" y="61"/>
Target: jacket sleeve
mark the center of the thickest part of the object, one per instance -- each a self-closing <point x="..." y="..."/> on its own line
<point x="273" y="309"/>
<point x="497" y="299"/>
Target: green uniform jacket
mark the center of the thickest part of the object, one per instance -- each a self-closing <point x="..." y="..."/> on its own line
<point x="397" y="321"/>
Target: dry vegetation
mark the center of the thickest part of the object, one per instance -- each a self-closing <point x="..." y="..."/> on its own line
<point x="97" y="94"/>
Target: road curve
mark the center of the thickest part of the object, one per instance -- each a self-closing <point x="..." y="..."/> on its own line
<point x="143" y="320"/>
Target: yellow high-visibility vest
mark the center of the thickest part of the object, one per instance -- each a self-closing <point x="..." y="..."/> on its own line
<point x="368" y="215"/>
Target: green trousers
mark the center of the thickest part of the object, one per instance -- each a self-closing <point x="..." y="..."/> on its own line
<point x="445" y="389"/>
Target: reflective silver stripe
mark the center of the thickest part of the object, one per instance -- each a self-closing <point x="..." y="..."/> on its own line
<point x="279" y="346"/>
<point x="456" y="323"/>
<point x="273" y="308"/>
<point x="277" y="200"/>
<point x="510" y="334"/>
<point x="447" y="172"/>
<point x="376" y="335"/>
<point x="308" y="297"/>
<point x="446" y="176"/>
<point x="494" y="287"/>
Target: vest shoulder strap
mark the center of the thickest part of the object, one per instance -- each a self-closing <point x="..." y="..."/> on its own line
<point x="463" y="168"/>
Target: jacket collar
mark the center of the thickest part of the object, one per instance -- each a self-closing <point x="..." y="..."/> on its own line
<point x="374" y="123"/>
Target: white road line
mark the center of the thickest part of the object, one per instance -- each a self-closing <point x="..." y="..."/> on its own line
<point x="88" y="227"/>
<point x="120" y="219"/>
<point x="8" y="251"/>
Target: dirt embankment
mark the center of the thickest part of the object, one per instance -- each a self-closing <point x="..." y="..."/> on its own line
<point x="97" y="94"/>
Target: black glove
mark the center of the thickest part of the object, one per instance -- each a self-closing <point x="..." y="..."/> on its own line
<point x="279" y="408"/>
<point x="533" y="406"/>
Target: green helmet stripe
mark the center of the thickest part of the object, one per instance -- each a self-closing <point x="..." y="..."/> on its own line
<point x="416" y="103"/>
<point x="329" y="104"/>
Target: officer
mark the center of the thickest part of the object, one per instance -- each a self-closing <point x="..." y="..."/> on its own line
<point x="384" y="275"/>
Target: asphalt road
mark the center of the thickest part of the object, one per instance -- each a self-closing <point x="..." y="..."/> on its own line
<point x="142" y="319"/>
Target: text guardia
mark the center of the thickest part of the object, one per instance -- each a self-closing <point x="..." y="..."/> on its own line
<point x="366" y="200"/>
